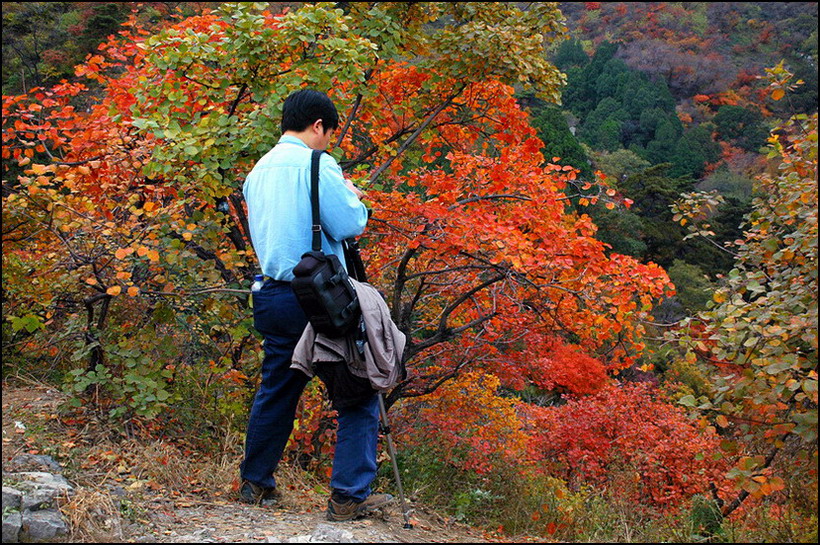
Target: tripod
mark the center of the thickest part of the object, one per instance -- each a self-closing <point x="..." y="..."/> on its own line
<point x="356" y="270"/>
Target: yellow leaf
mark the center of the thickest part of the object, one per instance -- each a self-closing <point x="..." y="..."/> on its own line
<point x="721" y="421"/>
<point x="153" y="255"/>
<point x="719" y="297"/>
<point x="777" y="94"/>
<point x="610" y="205"/>
<point x="149" y="206"/>
<point x="113" y="290"/>
<point x="187" y="236"/>
<point x="142" y="250"/>
<point x="133" y="291"/>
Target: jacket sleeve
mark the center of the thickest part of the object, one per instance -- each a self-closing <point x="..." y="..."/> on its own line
<point x="302" y="359"/>
<point x="343" y="214"/>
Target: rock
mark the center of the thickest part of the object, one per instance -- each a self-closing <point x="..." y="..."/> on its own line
<point x="378" y="537"/>
<point x="323" y="533"/>
<point x="32" y="501"/>
<point x="11" y="524"/>
<point x="11" y="498"/>
<point x="326" y="533"/>
<point x="33" y="462"/>
<point x="193" y="538"/>
<point x="42" y="526"/>
<point x="38" y="480"/>
<point x="40" y="499"/>
<point x="117" y="491"/>
<point x="297" y="539"/>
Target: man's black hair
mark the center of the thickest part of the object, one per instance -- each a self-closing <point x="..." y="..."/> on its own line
<point x="303" y="108"/>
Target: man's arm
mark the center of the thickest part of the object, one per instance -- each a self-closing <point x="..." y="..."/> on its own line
<point x="343" y="214"/>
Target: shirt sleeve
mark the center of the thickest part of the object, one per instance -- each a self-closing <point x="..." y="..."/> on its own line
<point x="343" y="214"/>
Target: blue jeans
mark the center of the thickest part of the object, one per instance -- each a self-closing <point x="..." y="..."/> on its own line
<point x="279" y="318"/>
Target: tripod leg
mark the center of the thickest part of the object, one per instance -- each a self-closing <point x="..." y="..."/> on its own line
<point x="392" y="450"/>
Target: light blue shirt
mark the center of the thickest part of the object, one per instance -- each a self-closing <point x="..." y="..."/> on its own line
<point x="277" y="191"/>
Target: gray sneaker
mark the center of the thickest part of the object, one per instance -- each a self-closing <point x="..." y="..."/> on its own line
<point x="341" y="510"/>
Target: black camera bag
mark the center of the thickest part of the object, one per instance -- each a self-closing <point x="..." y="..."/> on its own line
<point x="320" y="282"/>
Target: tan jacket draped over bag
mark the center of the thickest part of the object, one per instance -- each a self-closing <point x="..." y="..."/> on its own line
<point x="383" y="350"/>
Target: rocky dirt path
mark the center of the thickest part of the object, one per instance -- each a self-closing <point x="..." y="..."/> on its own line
<point x="105" y="507"/>
<point x="245" y="524"/>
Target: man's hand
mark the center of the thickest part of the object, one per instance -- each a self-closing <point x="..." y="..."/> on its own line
<point x="354" y="189"/>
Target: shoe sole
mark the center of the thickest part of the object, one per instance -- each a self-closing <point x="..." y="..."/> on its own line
<point x="354" y="516"/>
<point x="262" y="501"/>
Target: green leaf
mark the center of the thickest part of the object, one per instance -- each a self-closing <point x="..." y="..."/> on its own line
<point x="688" y="401"/>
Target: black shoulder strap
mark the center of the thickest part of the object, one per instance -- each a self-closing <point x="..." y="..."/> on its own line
<point x="314" y="199"/>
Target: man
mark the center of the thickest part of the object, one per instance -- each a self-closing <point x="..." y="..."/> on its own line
<point x="277" y="192"/>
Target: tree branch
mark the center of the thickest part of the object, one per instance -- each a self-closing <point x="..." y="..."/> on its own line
<point x="353" y="113"/>
<point x="237" y="201"/>
<point x="95" y="357"/>
<point x="745" y="494"/>
<point x="367" y="154"/>
<point x="412" y="138"/>
<point x="400" y="281"/>
<point x="407" y="311"/>
<point x="204" y="254"/>
<point x="443" y="332"/>
<point x="491" y="197"/>
<point x="239" y="97"/>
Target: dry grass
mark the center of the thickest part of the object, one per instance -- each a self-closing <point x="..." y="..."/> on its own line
<point x="93" y="516"/>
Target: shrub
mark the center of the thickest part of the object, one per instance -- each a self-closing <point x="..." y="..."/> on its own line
<point x="626" y="437"/>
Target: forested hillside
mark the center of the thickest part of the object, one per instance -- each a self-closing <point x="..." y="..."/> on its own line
<point x="666" y="98"/>
<point x="595" y="222"/>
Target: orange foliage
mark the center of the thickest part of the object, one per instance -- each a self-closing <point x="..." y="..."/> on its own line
<point x="474" y="428"/>
<point x="566" y="368"/>
<point x="626" y="434"/>
<point x="488" y="219"/>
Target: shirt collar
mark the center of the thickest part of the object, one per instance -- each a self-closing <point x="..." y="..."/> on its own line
<point x="288" y="139"/>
